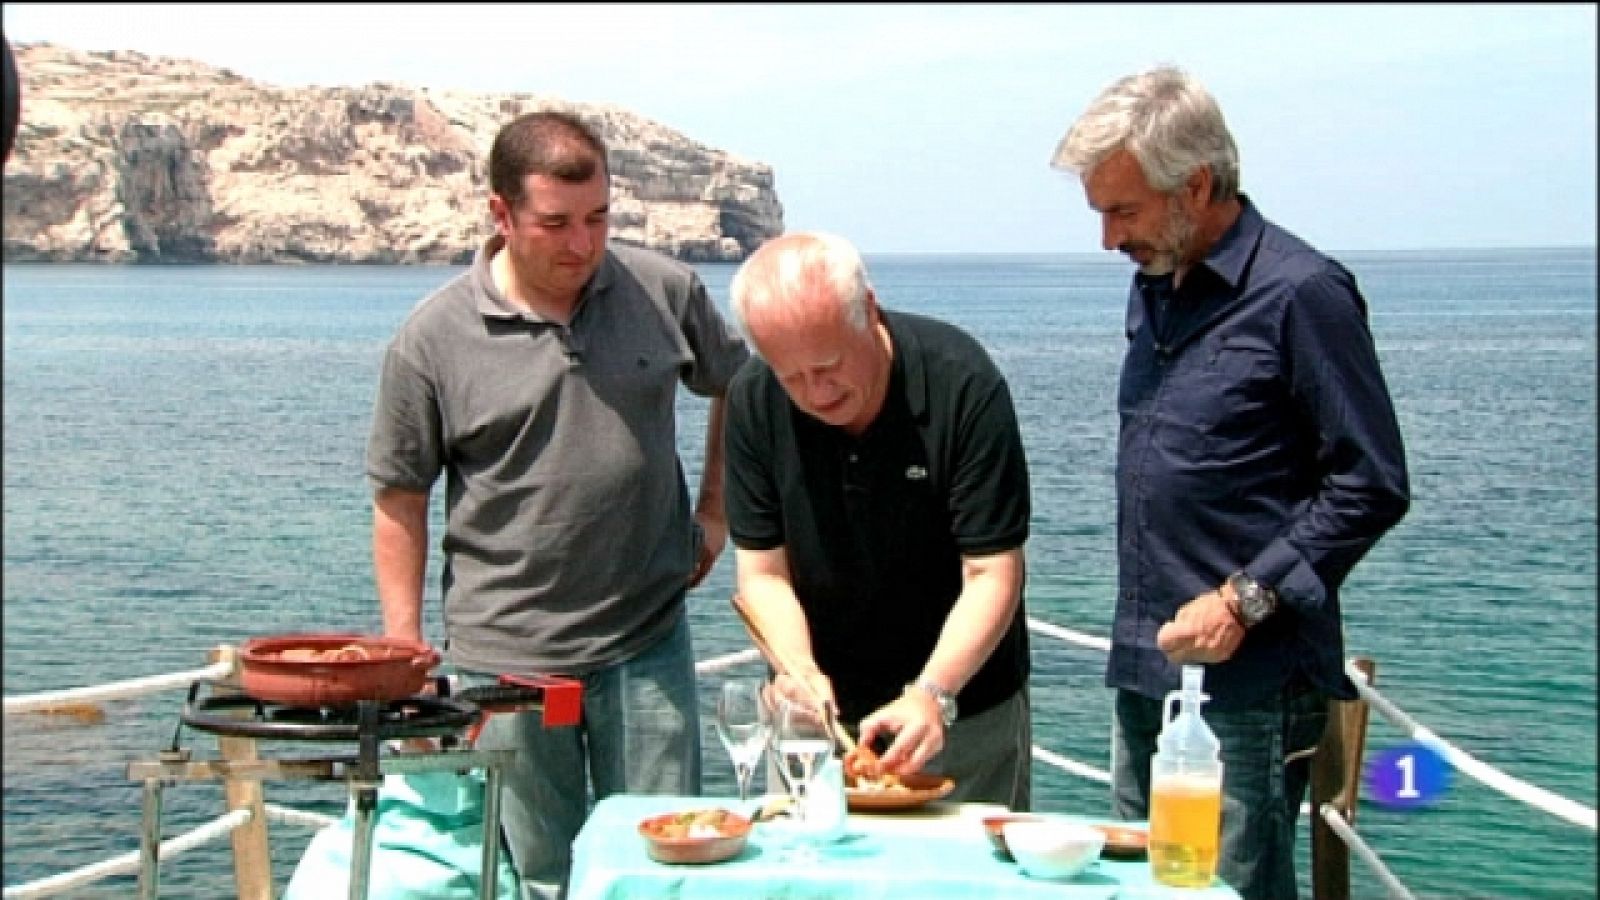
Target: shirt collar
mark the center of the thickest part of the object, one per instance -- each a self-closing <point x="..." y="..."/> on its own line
<point x="1231" y="254"/>
<point x="907" y="364"/>
<point x="493" y="304"/>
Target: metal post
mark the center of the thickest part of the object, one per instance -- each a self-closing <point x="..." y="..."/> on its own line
<point x="487" y="881"/>
<point x="150" y="841"/>
<point x="366" y="802"/>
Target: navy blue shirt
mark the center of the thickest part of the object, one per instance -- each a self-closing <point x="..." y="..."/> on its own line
<point x="1256" y="433"/>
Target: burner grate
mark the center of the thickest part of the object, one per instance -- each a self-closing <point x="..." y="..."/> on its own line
<point x="421" y="716"/>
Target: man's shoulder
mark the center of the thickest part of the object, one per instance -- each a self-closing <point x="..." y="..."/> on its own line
<point x="650" y="266"/>
<point x="1292" y="258"/>
<point x="936" y="338"/>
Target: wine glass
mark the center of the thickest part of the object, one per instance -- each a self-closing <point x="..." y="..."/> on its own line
<point x="803" y="741"/>
<point x="745" y="725"/>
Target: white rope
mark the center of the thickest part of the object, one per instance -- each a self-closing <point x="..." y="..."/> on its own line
<point x="1073" y="766"/>
<point x="129" y="862"/>
<point x="116" y="690"/>
<point x="1070" y="636"/>
<point x="728" y="661"/>
<point x="292" y="816"/>
<point x="1354" y="842"/>
<point x="1533" y="795"/>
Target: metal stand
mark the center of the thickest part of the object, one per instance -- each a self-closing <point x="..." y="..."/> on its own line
<point x="372" y="723"/>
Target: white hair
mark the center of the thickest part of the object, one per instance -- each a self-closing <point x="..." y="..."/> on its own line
<point x="783" y="271"/>
<point x="1167" y="120"/>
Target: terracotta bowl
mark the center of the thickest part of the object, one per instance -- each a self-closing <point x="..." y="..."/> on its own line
<point x="994" y="827"/>
<point x="1124" y="841"/>
<point x="332" y="669"/>
<point x="668" y="842"/>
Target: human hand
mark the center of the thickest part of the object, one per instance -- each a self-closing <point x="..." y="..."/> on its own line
<point x="713" y="538"/>
<point x="812" y="690"/>
<point x="1205" y="630"/>
<point x="917" y="729"/>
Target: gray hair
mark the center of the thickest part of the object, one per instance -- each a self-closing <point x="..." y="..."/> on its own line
<point x="1167" y="120"/>
<point x="786" y="269"/>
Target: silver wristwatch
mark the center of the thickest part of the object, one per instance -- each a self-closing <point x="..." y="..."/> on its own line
<point x="945" y="699"/>
<point x="1256" y="600"/>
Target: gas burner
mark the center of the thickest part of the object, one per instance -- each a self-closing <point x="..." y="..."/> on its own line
<point x="420" y="716"/>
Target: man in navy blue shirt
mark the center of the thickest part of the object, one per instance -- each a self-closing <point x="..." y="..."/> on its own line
<point x="1258" y="460"/>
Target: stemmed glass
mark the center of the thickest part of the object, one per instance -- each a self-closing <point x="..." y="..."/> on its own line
<point x="803" y="741"/>
<point x="745" y="725"/>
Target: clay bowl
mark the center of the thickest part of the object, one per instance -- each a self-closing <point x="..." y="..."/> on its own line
<point x="688" y="838"/>
<point x="994" y="827"/>
<point x="333" y="669"/>
<point x="1124" y="841"/>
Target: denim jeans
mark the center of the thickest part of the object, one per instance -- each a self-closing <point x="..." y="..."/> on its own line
<point x="1261" y="791"/>
<point x="640" y="733"/>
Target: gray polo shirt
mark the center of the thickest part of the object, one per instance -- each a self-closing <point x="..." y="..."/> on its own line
<point x="569" y="537"/>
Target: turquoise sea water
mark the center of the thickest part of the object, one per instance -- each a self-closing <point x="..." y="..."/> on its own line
<point x="182" y="468"/>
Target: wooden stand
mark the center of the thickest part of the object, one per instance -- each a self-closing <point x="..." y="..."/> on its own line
<point x="1336" y="781"/>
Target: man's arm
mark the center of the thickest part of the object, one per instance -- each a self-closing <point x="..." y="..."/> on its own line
<point x="399" y="558"/>
<point x="709" y="510"/>
<point x="991" y="593"/>
<point x="767" y="592"/>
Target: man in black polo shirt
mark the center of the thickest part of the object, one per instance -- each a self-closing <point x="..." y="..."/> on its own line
<point x="877" y="496"/>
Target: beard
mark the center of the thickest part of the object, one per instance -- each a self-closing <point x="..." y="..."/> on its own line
<point x="1172" y="247"/>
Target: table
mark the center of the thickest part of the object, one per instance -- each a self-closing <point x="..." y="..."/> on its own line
<point x="939" y="852"/>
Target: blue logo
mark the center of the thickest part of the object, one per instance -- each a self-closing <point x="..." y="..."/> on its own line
<point x="1407" y="776"/>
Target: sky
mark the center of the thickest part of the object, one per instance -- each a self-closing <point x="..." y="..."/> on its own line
<point x="929" y="127"/>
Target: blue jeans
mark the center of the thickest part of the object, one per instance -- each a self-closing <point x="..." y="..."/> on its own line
<point x="640" y="734"/>
<point x="1263" y="780"/>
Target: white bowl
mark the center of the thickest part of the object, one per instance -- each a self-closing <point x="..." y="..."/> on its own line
<point x="1053" y="849"/>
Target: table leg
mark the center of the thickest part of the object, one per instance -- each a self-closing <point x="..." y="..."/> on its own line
<point x="487" y="881"/>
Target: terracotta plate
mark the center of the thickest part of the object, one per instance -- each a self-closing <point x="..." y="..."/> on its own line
<point x="921" y="789"/>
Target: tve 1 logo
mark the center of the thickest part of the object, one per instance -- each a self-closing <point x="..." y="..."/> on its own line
<point x="1408" y="776"/>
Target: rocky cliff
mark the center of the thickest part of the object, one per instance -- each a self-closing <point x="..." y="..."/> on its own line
<point x="122" y="157"/>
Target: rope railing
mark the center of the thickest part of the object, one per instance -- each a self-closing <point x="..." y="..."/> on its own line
<point x="1353" y="841"/>
<point x="292" y="816"/>
<point x="116" y="690"/>
<point x="128" y="863"/>
<point x="1517" y="789"/>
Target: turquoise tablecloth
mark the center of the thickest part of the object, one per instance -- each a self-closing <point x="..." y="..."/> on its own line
<point x="935" y="854"/>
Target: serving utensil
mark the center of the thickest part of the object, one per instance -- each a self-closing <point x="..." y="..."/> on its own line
<point x="785" y="666"/>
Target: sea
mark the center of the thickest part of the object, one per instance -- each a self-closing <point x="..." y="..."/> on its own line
<point x="183" y="469"/>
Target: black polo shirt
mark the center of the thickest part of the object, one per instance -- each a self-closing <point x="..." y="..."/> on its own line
<point x="875" y="526"/>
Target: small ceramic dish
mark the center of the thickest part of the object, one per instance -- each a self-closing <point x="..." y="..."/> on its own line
<point x="1053" y="849"/>
<point x="695" y="837"/>
<point x="1124" y="841"/>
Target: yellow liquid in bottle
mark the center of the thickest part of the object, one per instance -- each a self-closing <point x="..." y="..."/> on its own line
<point x="1185" y="830"/>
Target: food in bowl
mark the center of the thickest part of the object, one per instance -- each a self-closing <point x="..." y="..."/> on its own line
<point x="695" y="836"/>
<point x="1053" y="849"/>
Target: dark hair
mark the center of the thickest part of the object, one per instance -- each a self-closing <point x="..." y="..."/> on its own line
<point x="556" y="144"/>
<point x="13" y="100"/>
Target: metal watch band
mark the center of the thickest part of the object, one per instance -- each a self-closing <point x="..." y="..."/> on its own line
<point x="945" y="699"/>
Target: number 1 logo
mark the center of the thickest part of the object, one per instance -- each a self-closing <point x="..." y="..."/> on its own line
<point x="1407" y="776"/>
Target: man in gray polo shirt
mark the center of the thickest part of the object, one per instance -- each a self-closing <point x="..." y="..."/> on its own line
<point x="541" y="383"/>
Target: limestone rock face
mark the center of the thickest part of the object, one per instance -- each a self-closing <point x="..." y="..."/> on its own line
<point x="122" y="157"/>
